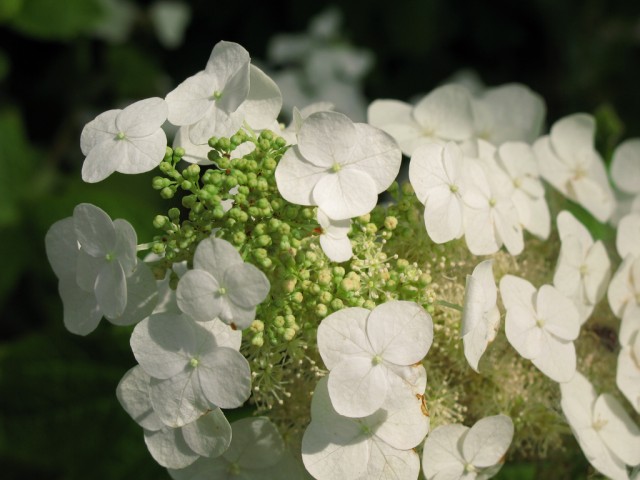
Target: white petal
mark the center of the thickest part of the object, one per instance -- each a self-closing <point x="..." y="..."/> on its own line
<point x="625" y="166"/>
<point x="191" y="100"/>
<point x="552" y="168"/>
<point x="447" y="112"/>
<point x="346" y="194"/>
<point x="384" y="112"/>
<point x="143" y="154"/>
<point x="572" y="134"/>
<point x="377" y="154"/>
<point x="227" y="61"/>
<point x="197" y="295"/>
<point x="388" y="463"/>
<point x="619" y="432"/>
<point x="427" y="168"/>
<point x="81" y="313"/>
<point x="401" y="332"/>
<point x="595" y="199"/>
<point x="209" y="435"/>
<point x="215" y="122"/>
<point x="342" y="334"/>
<point x="193" y="153"/>
<point x="102" y="128"/>
<point x="163" y="344"/>
<point x="620" y="290"/>
<point x="62" y="247"/>
<point x="87" y="270"/>
<point x="297" y="177"/>
<point x="598" y="272"/>
<point x="142" y="296"/>
<point x="488" y="441"/>
<point x="570" y="225"/>
<point x="246" y="285"/>
<point x="327" y="138"/>
<point x="133" y="395"/>
<point x="336" y="249"/>
<point x="224" y="335"/>
<point x="94" y="228"/>
<point x="628" y="236"/>
<point x="441" y="457"/>
<point x="517" y="291"/>
<point x="124" y="249"/>
<point x="558" y="313"/>
<point x="215" y="255"/>
<point x="522" y="332"/>
<point x="628" y="376"/>
<point x="178" y="400"/>
<point x="357" y="386"/>
<point x="142" y="118"/>
<point x="104" y="159"/>
<point x="168" y="448"/>
<point x="479" y="231"/>
<point x="578" y="399"/>
<point x="263" y="104"/>
<point x="111" y="289"/>
<point x="556" y="359"/>
<point x="255" y="444"/>
<point x="225" y="377"/>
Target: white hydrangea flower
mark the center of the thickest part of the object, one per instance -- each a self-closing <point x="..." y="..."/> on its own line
<point x="365" y="350"/>
<point x="445" y="114"/>
<point x="518" y="161"/>
<point x="290" y="133"/>
<point x="480" y="315"/>
<point x="508" y="113"/>
<point x="605" y="432"/>
<point x="229" y="91"/>
<point x="95" y="286"/>
<point x="569" y="162"/>
<point x="541" y="325"/>
<point x="334" y="240"/>
<point x="256" y="452"/>
<point x="194" y="366"/>
<point x="338" y="165"/>
<point x="625" y="166"/>
<point x="624" y="290"/>
<point x="458" y="452"/>
<point x="583" y="269"/>
<point x="125" y="141"/>
<point x="376" y="446"/>
<point x="208" y="436"/>
<point x="628" y="236"/>
<point x="221" y="285"/>
<point x="442" y="177"/>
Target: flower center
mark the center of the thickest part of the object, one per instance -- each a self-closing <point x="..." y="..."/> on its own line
<point x="336" y="167"/>
<point x="598" y="423"/>
<point x="469" y="468"/>
<point x="194" y="362"/>
<point x="584" y="269"/>
<point x="579" y="172"/>
<point x="517" y="182"/>
<point x="377" y="360"/>
<point x="222" y="291"/>
<point x="492" y="202"/>
<point x="109" y="257"/>
<point x="540" y="322"/>
<point x="234" y="469"/>
<point x="120" y="136"/>
<point x="453" y="188"/>
<point x="216" y="95"/>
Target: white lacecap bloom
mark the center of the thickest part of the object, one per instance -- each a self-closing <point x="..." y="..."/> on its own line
<point x="628" y="236"/>
<point x="221" y="285"/>
<point x="338" y="165"/>
<point x="445" y="114"/>
<point x="480" y="314"/>
<point x="95" y="261"/>
<point x="208" y="436"/>
<point x="607" y="435"/>
<point x="541" y="325"/>
<point x="125" y="141"/>
<point x="569" y="162"/>
<point x="334" y="240"/>
<point x="256" y="452"/>
<point x="228" y="92"/>
<point x="379" y="445"/>
<point x="366" y="350"/>
<point x="457" y="452"/>
<point x="583" y="269"/>
<point x="194" y="366"/>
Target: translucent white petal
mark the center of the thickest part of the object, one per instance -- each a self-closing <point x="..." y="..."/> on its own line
<point x="197" y="295"/>
<point x="507" y="226"/>
<point x="264" y="101"/>
<point x="578" y="399"/>
<point x="215" y="122"/>
<point x="620" y="290"/>
<point x="345" y="194"/>
<point x="595" y="199"/>
<point x="570" y="225"/>
<point x="235" y="315"/>
<point x="178" y="400"/>
<point x="336" y="249"/>
<point x="384" y="112"/>
<point x="446" y="111"/>
<point x="426" y="169"/>
<point x="400" y="332"/>
<point x="388" y="463"/>
<point x="333" y="228"/>
<point x="168" y="448"/>
<point x="479" y="230"/>
<point x="443" y="215"/>
<point x="625" y="166"/>
<point x="517" y="291"/>
<point x="225" y="377"/>
<point x="255" y="444"/>
<point x="556" y="359"/>
<point x="216" y="255"/>
<point x="226" y="59"/>
<point x="628" y="235"/>
<point x="104" y="159"/>
<point x="191" y="100"/>
<point x="235" y="90"/>
<point x="552" y="169"/>
<point x="557" y="313"/>
<point x="209" y="435"/>
<point x="628" y="376"/>
<point x="100" y="129"/>
<point x="441" y="457"/>
<point x="94" y="228"/>
<point x="142" y="118"/>
<point x="327" y="138"/>
<point x="618" y="431"/>
<point x="124" y="249"/>
<point x="488" y="441"/>
<point x="296" y="177"/>
<point x="163" y="344"/>
<point x="522" y="331"/>
<point x="342" y="334"/>
<point x="133" y="395"/>
<point x="246" y="285"/>
<point x="62" y="247"/>
<point x="81" y="313"/>
<point x="598" y="272"/>
<point x="143" y="154"/>
<point x="377" y="154"/>
<point x="142" y="296"/>
<point x="193" y="153"/>
<point x="111" y="289"/>
<point x="572" y="134"/>
<point x="224" y="335"/>
<point x="88" y="268"/>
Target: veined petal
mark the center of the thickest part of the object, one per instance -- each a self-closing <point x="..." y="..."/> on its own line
<point x="193" y="153"/>
<point x="345" y="194"/>
<point x="225" y="377"/>
<point x="62" y="247"/>
<point x="94" y="228"/>
<point x="197" y="295"/>
<point x="142" y="118"/>
<point x="143" y="154"/>
<point x="618" y="430"/>
<point x="103" y="159"/>
<point x="124" y="250"/>
<point x="100" y="129"/>
<point x="133" y="395"/>
<point x="487" y="441"/>
<point x="142" y="296"/>
<point x="178" y="400"/>
<point x="247" y="286"/>
<point x="357" y="386"/>
<point x="190" y="100"/>
<point x="226" y="59"/>
<point x="215" y="256"/>
<point x="215" y="122"/>
<point x="264" y="101"/>
<point x="81" y="313"/>
<point x="522" y="332"/>
<point x="210" y="435"/>
<point x="441" y="455"/>
<point x="377" y="154"/>
<point x="327" y="138"/>
<point x="168" y="448"/>
<point x="447" y="112"/>
<point x="343" y="334"/>
<point x="556" y="358"/>
<point x="559" y="314"/>
<point x="336" y="249"/>
<point x="111" y="289"/>
<point x="296" y="177"/>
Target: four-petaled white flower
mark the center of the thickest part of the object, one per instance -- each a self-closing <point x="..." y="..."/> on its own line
<point x="365" y="350"/>
<point x="541" y="325"/>
<point x="480" y="315"/>
<point x="194" y="366"/>
<point x="208" y="436"/>
<point x="334" y="240"/>
<point x="583" y="269"/>
<point x="125" y="141"/>
<point x="569" y="162"/>
<point x="456" y="452"/>
<point x="221" y="285"/>
<point x="338" y="165"/>
<point x="379" y="445"/>
<point x="445" y="114"/>
<point x="607" y="435"/>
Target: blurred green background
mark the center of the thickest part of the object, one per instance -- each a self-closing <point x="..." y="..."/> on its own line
<point x="62" y="62"/>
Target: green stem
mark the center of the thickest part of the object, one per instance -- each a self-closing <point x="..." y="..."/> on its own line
<point x="450" y="305"/>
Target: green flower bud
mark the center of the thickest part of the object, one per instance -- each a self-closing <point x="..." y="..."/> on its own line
<point x="321" y="310"/>
<point x="168" y="153"/>
<point x="218" y="212"/>
<point x="230" y="182"/>
<point x="269" y="163"/>
<point x="289" y="284"/>
<point x="260" y="254"/>
<point x="369" y="304"/>
<point x="263" y="240"/>
<point x="407" y="189"/>
<point x="336" y="304"/>
<point x="289" y="334"/>
<point x="158" y="248"/>
<point x="223" y="144"/>
<point x="213" y="142"/>
<point x="236" y="140"/>
<point x="279" y="321"/>
<point x="179" y="152"/>
<point x="280" y="142"/>
<point x="326" y="297"/>
<point x="371" y="228"/>
<point x="390" y="223"/>
<point x="160" y="221"/>
<point x="158" y="183"/>
<point x="257" y="340"/>
<point x="276" y="204"/>
<point x="186" y="185"/>
<point x="174" y="214"/>
<point x="166" y="193"/>
<point x="364" y="219"/>
<point x="338" y="272"/>
<point x="297" y="297"/>
<point x="239" y="238"/>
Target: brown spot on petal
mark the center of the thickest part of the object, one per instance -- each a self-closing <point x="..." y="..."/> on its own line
<point x="233" y="326"/>
<point x="423" y="404"/>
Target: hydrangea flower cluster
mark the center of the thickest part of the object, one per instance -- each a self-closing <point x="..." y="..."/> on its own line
<point x="280" y="282"/>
